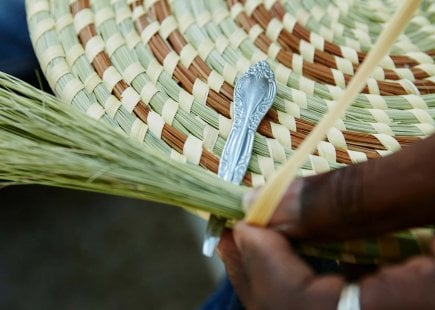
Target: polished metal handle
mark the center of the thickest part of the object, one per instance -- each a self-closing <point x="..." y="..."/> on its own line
<point x="253" y="97"/>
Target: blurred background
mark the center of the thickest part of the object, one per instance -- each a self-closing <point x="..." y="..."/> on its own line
<point x="64" y="249"/>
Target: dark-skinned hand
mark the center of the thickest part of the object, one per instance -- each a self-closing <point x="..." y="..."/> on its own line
<point x="267" y="274"/>
<point x="368" y="199"/>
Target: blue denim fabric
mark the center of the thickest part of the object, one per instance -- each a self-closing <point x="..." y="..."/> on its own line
<point x="224" y="298"/>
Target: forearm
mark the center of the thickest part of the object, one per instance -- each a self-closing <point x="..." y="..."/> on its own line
<point x="381" y="195"/>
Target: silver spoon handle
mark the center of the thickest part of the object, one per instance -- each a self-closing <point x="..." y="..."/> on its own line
<point x="253" y="97"/>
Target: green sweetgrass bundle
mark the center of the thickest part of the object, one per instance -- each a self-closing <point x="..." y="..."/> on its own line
<point x="45" y="141"/>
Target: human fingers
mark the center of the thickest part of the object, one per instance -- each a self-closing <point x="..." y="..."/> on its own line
<point x="265" y="252"/>
<point x="278" y="278"/>
<point x="230" y="256"/>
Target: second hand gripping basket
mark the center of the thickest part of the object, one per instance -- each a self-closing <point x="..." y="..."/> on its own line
<point x="163" y="72"/>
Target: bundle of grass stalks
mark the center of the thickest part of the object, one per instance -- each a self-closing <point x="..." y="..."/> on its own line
<point x="45" y="141"/>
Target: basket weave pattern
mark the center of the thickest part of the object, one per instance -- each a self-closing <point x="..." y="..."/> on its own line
<point x="163" y="72"/>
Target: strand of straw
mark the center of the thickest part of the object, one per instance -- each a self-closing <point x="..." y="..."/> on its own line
<point x="268" y="199"/>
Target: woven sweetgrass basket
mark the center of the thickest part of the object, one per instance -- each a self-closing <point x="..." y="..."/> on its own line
<point x="163" y="72"/>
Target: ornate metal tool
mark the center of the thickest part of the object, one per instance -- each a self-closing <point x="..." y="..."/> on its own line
<point x="253" y="96"/>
